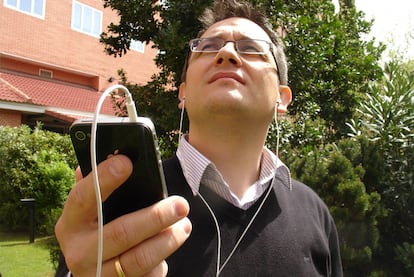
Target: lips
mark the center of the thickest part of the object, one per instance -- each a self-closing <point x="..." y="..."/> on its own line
<point x="226" y="75"/>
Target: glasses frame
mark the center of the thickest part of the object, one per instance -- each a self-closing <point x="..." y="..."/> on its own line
<point x="190" y="50"/>
<point x="196" y="41"/>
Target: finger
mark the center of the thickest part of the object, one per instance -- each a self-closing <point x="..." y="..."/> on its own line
<point x="153" y="234"/>
<point x="131" y="229"/>
<point x="78" y="174"/>
<point x="127" y="231"/>
<point x="76" y="228"/>
<point x="80" y="207"/>
<point x="152" y="251"/>
<point x="146" y="257"/>
<point x="160" y="270"/>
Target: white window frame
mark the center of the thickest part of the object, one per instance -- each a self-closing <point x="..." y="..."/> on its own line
<point x="93" y="26"/>
<point x="137" y="45"/>
<point x="32" y="8"/>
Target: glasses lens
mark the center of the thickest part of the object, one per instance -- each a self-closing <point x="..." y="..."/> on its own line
<point x="206" y="44"/>
<point x="244" y="46"/>
<point x="252" y="46"/>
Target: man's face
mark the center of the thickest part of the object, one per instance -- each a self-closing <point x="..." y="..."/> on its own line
<point x="228" y="84"/>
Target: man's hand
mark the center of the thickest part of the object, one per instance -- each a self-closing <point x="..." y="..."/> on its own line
<point x="142" y="239"/>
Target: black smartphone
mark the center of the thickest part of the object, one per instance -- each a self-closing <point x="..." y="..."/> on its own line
<point x="138" y="141"/>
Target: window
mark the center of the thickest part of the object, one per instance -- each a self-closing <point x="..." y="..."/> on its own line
<point x="137" y="46"/>
<point x="32" y="7"/>
<point x="46" y="73"/>
<point x="86" y="19"/>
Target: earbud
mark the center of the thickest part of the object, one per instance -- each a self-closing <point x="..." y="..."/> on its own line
<point x="182" y="106"/>
<point x="181" y="103"/>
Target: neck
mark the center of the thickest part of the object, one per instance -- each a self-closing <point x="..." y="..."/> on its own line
<point x="235" y="149"/>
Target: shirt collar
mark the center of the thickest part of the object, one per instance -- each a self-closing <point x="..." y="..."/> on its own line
<point x="194" y="164"/>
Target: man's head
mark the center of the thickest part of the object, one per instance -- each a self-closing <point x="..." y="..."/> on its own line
<point x="223" y="9"/>
<point x="232" y="71"/>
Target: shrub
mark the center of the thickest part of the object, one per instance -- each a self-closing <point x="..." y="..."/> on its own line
<point x="333" y="172"/>
<point x="387" y="120"/>
<point x="34" y="164"/>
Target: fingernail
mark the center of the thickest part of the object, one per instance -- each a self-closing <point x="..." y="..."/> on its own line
<point x="186" y="225"/>
<point x="180" y="209"/>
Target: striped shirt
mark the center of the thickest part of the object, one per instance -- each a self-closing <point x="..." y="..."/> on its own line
<point x="198" y="170"/>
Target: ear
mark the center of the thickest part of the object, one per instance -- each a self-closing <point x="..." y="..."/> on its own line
<point x="181" y="95"/>
<point x="285" y="95"/>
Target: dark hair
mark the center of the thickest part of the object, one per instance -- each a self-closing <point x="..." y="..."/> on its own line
<point x="223" y="9"/>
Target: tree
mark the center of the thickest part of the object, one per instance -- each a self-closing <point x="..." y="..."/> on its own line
<point x="347" y="3"/>
<point x="334" y="171"/>
<point x="387" y="119"/>
<point x="330" y="65"/>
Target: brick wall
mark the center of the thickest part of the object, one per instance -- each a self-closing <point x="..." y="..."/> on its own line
<point x="10" y="118"/>
<point x="52" y="41"/>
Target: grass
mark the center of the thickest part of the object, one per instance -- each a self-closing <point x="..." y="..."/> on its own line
<point x="19" y="258"/>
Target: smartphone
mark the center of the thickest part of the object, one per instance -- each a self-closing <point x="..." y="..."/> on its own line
<point x="138" y="141"/>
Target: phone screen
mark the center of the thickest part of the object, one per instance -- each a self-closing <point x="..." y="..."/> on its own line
<point x="138" y="141"/>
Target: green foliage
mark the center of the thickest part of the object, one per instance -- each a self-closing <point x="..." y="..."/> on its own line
<point x="34" y="164"/>
<point x="405" y="255"/>
<point x="387" y="114"/>
<point x="387" y="120"/>
<point x="333" y="171"/>
<point x="330" y="64"/>
<point x="297" y="131"/>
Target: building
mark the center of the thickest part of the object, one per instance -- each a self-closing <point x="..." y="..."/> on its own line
<point x="53" y="68"/>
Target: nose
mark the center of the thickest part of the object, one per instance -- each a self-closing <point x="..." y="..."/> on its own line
<point x="229" y="54"/>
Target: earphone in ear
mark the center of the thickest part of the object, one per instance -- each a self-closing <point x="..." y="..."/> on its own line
<point x="278" y="102"/>
<point x="182" y="106"/>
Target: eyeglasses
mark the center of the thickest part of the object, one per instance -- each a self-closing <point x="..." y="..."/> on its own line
<point x="243" y="46"/>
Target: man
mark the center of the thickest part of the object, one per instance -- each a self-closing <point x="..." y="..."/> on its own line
<point x="238" y="212"/>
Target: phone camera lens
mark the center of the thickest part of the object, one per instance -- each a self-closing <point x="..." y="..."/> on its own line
<point x="79" y="135"/>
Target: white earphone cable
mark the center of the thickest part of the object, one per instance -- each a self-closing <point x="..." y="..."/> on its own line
<point x="219" y="268"/>
<point x="180" y="131"/>
<point x="277" y="129"/>
<point x="248" y="225"/>
<point x="132" y="113"/>
<point x="218" y="233"/>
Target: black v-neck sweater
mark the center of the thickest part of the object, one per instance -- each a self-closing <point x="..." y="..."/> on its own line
<point x="293" y="235"/>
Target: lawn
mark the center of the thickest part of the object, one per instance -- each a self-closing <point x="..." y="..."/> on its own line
<point x="19" y="258"/>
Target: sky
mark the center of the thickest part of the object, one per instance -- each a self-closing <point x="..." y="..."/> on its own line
<point x="393" y="25"/>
